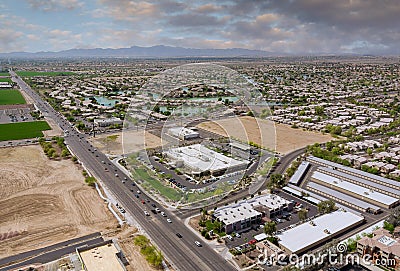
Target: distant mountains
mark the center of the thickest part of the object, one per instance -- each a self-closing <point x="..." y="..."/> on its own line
<point x="159" y="51"/>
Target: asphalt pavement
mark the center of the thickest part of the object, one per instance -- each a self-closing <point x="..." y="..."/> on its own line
<point x="181" y="252"/>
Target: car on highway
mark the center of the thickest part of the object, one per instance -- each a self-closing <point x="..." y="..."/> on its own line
<point x="169" y="220"/>
<point x="179" y="235"/>
<point x="197" y="243"/>
<point x="146" y="213"/>
<point x="163" y="214"/>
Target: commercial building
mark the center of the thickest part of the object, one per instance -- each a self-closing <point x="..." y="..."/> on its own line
<point x="315" y="232"/>
<point x="198" y="160"/>
<point x="355" y="172"/>
<point x="357" y="191"/>
<point x="300" y="173"/>
<point x="382" y="248"/>
<point x="243" y="215"/>
<point x="183" y="133"/>
<point x="361" y="182"/>
<point x="107" y="122"/>
<point x="104" y="257"/>
<point x="343" y="198"/>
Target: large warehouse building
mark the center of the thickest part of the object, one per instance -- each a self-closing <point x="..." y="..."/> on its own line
<point x="199" y="160"/>
<point x="369" y="195"/>
<point x="317" y="231"/>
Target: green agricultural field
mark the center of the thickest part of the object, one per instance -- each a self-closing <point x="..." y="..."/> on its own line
<point x="11" y="96"/>
<point x="7" y="79"/>
<point x="34" y="73"/>
<point x="22" y="130"/>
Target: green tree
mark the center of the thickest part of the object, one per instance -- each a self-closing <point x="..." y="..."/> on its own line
<point x="270" y="228"/>
<point x="302" y="214"/>
<point x="90" y="181"/>
<point x="319" y="110"/>
<point x="327" y="206"/>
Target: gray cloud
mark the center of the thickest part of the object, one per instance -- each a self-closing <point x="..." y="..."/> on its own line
<point x="55" y="5"/>
<point x="291" y="26"/>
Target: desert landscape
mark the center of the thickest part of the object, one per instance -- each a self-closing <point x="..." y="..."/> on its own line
<point x="43" y="202"/>
<point x="126" y="142"/>
<point x="279" y="137"/>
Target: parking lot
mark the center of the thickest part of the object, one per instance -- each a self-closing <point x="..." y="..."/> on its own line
<point x="9" y="115"/>
<point x="283" y="224"/>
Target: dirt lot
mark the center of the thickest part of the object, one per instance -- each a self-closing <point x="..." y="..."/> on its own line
<point x="43" y="201"/>
<point x="132" y="252"/>
<point x="55" y="129"/>
<point x="133" y="141"/>
<point x="263" y="133"/>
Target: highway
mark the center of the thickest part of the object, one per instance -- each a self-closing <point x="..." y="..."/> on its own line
<point x="182" y="253"/>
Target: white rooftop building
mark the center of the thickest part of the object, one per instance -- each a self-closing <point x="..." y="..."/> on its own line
<point x="244" y="214"/>
<point x="199" y="159"/>
<point x="183" y="133"/>
<point x="321" y="229"/>
<point x="363" y="193"/>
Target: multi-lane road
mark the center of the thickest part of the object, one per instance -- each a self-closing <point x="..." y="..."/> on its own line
<point x="181" y="252"/>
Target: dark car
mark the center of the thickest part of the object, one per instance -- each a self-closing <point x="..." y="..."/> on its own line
<point x="179" y="235"/>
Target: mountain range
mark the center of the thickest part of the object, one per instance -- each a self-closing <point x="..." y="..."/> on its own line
<point x="159" y="51"/>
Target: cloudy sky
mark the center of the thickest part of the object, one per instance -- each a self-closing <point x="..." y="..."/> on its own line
<point x="289" y="26"/>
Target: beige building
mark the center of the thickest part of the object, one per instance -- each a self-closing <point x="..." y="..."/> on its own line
<point x="382" y="247"/>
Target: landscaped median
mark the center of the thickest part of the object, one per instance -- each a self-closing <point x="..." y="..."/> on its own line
<point x="22" y="130"/>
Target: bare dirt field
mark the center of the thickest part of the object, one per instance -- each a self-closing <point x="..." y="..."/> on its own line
<point x="132" y="252"/>
<point x="55" y="129"/>
<point x="44" y="201"/>
<point x="262" y="132"/>
<point x="133" y="141"/>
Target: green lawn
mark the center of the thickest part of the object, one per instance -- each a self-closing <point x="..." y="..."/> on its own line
<point x="22" y="130"/>
<point x="7" y="79"/>
<point x="4" y="74"/>
<point x="11" y="96"/>
<point x="168" y="192"/>
<point x="34" y="73"/>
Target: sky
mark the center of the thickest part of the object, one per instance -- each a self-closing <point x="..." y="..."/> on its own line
<point x="280" y="26"/>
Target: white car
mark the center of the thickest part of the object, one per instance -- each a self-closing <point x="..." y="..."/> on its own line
<point x="169" y="220"/>
<point x="146" y="213"/>
<point x="163" y="214"/>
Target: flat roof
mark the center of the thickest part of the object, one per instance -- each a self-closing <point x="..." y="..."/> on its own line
<point x="245" y="209"/>
<point x="201" y="158"/>
<point x="182" y="131"/>
<point x="292" y="190"/>
<point x="102" y="258"/>
<point x="306" y="235"/>
<point x="361" y="180"/>
<point x="354" y="189"/>
<point x="299" y="173"/>
<point x="355" y="171"/>
<point x="336" y="194"/>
